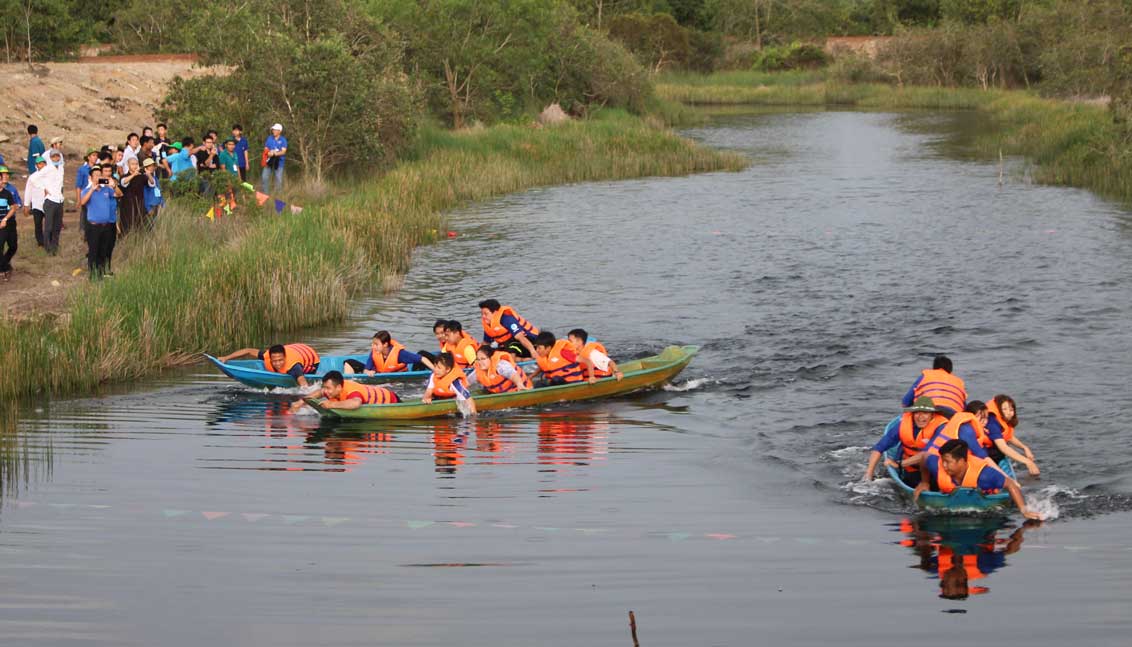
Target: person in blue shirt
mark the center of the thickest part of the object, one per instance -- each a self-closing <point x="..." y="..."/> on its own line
<point x="912" y="429"/>
<point x="954" y="462"/>
<point x="153" y="198"/>
<point x="241" y="151"/>
<point x="35" y="147"/>
<point x="274" y="155"/>
<point x="101" y="200"/>
<point x="8" y="233"/>
<point x="182" y="160"/>
<point x="82" y="178"/>
<point x="5" y="174"/>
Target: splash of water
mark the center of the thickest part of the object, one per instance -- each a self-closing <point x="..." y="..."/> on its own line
<point x="690" y="385"/>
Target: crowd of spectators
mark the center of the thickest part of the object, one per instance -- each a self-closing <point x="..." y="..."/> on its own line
<point x="122" y="189"/>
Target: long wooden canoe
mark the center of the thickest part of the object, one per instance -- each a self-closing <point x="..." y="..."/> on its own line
<point x="251" y="372"/>
<point x="644" y="373"/>
<point x="961" y="500"/>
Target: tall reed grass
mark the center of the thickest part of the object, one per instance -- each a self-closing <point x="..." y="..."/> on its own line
<point x="192" y="285"/>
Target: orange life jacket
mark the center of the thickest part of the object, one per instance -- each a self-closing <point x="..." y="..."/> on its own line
<point x="494" y="329"/>
<point x="585" y="352"/>
<point x="951" y="430"/>
<point x="368" y="393"/>
<point x="970" y="563"/>
<point x="457" y="350"/>
<point x="390" y="363"/>
<point x="1007" y="430"/>
<point x="913" y="443"/>
<point x="442" y="387"/>
<point x="295" y="354"/>
<point x="493" y="382"/>
<point x="555" y="366"/>
<point x="975" y="467"/>
<point x="943" y="388"/>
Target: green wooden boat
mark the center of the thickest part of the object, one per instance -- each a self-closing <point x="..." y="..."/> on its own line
<point x="640" y="374"/>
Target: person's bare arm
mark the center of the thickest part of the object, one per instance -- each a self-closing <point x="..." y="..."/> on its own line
<point x="617" y="374"/>
<point x="526" y="342"/>
<point x="1019" y="500"/>
<point x="243" y="353"/>
<point x="870" y="470"/>
<point x="1010" y="453"/>
<point x="913" y="461"/>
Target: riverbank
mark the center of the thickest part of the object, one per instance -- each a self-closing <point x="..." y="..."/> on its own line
<point x="193" y="285"/>
<point x="1069" y="143"/>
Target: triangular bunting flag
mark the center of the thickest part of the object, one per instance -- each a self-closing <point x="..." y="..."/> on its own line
<point x="248" y="186"/>
<point x="416" y="525"/>
<point x="719" y="535"/>
<point x="215" y="515"/>
<point x="211" y="215"/>
<point x="279" y="204"/>
<point x="678" y="536"/>
<point x="25" y="504"/>
<point x="461" y="524"/>
<point x="253" y="517"/>
<point x="334" y="521"/>
<point x="296" y="209"/>
<point x="260" y="198"/>
<point x="294" y="518"/>
<point x="169" y="514"/>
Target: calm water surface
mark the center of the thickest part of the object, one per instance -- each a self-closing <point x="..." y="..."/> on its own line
<point x="724" y="510"/>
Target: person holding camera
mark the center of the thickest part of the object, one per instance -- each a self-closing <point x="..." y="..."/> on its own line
<point x="101" y="201"/>
<point x="132" y="187"/>
<point x="9" y="203"/>
<point x="274" y="156"/>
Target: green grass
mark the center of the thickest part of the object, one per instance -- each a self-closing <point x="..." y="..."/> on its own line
<point x="1070" y="143"/>
<point x="192" y="285"/>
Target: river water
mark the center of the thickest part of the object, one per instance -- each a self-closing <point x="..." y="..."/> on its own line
<point x="723" y="510"/>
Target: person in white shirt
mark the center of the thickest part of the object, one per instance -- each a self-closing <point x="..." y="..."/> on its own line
<point x="133" y="146"/>
<point x="52" y="179"/>
<point x="33" y="197"/>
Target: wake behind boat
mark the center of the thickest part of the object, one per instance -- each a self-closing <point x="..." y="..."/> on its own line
<point x="641" y="374"/>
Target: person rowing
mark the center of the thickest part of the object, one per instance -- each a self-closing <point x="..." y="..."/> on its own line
<point x="948" y="391"/>
<point x="497" y="371"/>
<point x="296" y="360"/>
<point x="558" y="363"/>
<point x="340" y="393"/>
<point x="460" y="344"/>
<point x="601" y="365"/>
<point x="1002" y="418"/>
<point x="504" y="328"/>
<point x="956" y="466"/>
<point x="387" y="355"/>
<point x="448" y="381"/>
<point x="917" y="425"/>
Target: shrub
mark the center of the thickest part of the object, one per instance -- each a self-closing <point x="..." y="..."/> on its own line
<point x="656" y="40"/>
<point x="796" y="56"/>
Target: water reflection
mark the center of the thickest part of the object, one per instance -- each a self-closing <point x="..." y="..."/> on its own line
<point x="961" y="552"/>
<point x="22" y="461"/>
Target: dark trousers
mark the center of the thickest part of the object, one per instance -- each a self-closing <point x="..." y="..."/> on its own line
<point x="8" y="240"/>
<point x="82" y="221"/>
<point x="52" y="225"/>
<point x="37" y="216"/>
<point x="243" y="174"/>
<point x="100" y="240"/>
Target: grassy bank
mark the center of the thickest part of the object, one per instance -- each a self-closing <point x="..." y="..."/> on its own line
<point x="1070" y="143"/>
<point x="194" y="285"/>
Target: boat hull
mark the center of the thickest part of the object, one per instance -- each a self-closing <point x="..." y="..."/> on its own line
<point x="961" y="500"/>
<point x="639" y="375"/>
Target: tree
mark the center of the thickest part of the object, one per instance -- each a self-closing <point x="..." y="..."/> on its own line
<point x="42" y="29"/>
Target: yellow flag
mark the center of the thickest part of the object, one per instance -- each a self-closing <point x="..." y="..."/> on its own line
<point x="211" y="215"/>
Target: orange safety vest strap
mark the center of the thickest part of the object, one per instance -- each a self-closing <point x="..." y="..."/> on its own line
<point x="300" y="354"/>
<point x="495" y="330"/>
<point x="556" y="367"/>
<point x="493" y="382"/>
<point x="390" y="363"/>
<point x="367" y="393"/>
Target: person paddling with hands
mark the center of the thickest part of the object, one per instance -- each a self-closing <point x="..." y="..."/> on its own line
<point x="497" y="371"/>
<point x="1002" y="418"/>
<point x="340" y="393"/>
<point x="296" y="360"/>
<point x="911" y="430"/>
<point x="955" y="467"/>
<point x="558" y="363"/>
<point x="448" y="381"/>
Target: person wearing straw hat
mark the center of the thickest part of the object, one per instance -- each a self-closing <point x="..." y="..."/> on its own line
<point x="274" y="156"/>
<point x="8" y="235"/>
<point x="912" y="430"/>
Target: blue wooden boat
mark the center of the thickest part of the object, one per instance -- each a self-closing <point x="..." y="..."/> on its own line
<point x="251" y="372"/>
<point x="961" y="500"/>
